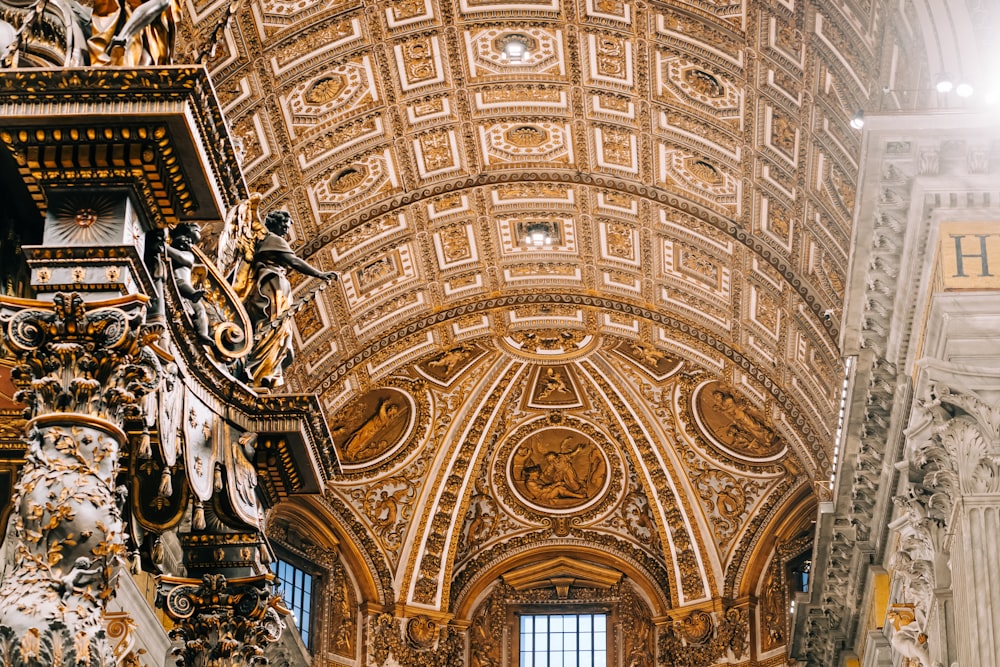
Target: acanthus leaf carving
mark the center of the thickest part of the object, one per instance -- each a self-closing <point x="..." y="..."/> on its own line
<point x="222" y="622"/>
<point x="387" y="640"/>
<point x="83" y="369"/>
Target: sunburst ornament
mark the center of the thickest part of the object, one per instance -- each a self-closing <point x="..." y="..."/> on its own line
<point x="86" y="218"/>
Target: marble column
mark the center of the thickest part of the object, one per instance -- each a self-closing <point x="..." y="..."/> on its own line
<point x="975" y="561"/>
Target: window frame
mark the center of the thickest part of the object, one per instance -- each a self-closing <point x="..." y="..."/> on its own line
<point x="316" y="577"/>
<point x="516" y="611"/>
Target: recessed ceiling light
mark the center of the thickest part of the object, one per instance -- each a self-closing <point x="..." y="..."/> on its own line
<point x="515" y="47"/>
<point x="964" y="89"/>
<point x="858" y="119"/>
<point x="538" y="234"/>
<point x="944" y="83"/>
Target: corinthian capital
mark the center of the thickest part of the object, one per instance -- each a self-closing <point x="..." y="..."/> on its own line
<point x="222" y="622"/>
<point x="959" y="450"/>
<point x="87" y="358"/>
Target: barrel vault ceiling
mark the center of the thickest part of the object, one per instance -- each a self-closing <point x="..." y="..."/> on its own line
<point x="660" y="381"/>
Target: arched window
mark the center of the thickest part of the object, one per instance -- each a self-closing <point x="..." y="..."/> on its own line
<point x="561" y="612"/>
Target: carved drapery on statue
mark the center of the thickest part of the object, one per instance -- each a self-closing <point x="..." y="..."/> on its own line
<point x="203" y="463"/>
<point x="103" y="32"/>
<point x="83" y="370"/>
<point x="269" y="301"/>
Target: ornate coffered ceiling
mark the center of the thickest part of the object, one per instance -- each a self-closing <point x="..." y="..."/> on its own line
<point x="660" y="380"/>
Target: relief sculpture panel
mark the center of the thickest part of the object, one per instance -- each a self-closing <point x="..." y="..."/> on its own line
<point x="729" y="420"/>
<point x="372" y="426"/>
<point x="558" y="470"/>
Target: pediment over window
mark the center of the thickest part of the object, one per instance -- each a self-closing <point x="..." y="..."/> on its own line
<point x="562" y="573"/>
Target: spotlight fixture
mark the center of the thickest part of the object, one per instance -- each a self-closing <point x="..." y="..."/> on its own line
<point x="944" y="84"/>
<point x="858" y="119"/>
<point x="515" y="47"/>
<point x="964" y="89"/>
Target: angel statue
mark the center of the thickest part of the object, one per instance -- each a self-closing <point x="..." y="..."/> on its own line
<point x="134" y="33"/>
<point x="265" y="289"/>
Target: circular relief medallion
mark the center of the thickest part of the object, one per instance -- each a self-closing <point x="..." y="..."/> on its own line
<point x="730" y="421"/>
<point x="558" y="470"/>
<point x="372" y="426"/>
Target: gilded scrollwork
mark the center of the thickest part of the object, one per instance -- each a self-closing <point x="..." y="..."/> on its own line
<point x="486" y="631"/>
<point x="485" y="520"/>
<point x="635" y="516"/>
<point x="388" y="505"/>
<point x="726" y="498"/>
<point x="388" y="642"/>
<point x="639" y="646"/>
<point x="343" y="613"/>
<point x="701" y="638"/>
<point x="771" y="610"/>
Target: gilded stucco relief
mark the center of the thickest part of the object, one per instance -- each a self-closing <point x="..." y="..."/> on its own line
<point x="656" y="376"/>
<point x="592" y="260"/>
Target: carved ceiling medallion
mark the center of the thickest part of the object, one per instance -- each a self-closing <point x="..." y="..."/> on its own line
<point x="371" y="427"/>
<point x="703" y="82"/>
<point x="525" y="136"/>
<point x="558" y="470"/>
<point x="728" y="421"/>
<point x="561" y="466"/>
<point x="324" y="90"/>
<point x="348" y="179"/>
<point x="703" y="171"/>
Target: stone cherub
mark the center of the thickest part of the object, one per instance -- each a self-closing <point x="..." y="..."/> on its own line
<point x="81" y="577"/>
<point x="183" y="260"/>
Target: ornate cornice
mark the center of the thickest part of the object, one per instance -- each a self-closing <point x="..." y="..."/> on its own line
<point x="685" y="330"/>
<point x="148" y="119"/>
